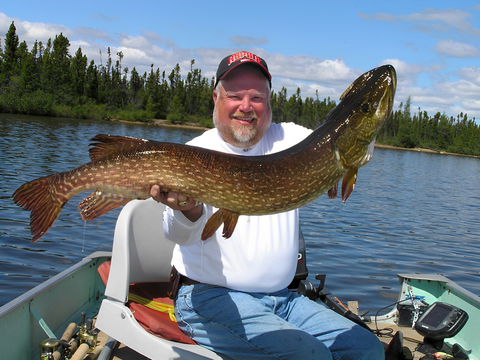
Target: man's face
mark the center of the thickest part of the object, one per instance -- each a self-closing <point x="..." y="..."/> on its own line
<point x="242" y="111"/>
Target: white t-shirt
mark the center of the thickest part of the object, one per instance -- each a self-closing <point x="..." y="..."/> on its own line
<point x="261" y="255"/>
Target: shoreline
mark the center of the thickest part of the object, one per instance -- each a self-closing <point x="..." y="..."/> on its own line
<point x="382" y="146"/>
<point x="158" y="122"/>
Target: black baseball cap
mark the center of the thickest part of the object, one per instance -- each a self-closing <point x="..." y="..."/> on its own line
<point x="243" y="57"/>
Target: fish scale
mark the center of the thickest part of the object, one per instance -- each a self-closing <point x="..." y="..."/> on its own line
<point x="124" y="168"/>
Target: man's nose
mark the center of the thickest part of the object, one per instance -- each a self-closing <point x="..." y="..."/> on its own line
<point x="246" y="104"/>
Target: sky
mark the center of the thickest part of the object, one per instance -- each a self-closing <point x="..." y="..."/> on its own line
<point x="312" y="45"/>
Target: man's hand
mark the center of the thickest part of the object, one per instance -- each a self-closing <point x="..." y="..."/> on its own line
<point x="190" y="208"/>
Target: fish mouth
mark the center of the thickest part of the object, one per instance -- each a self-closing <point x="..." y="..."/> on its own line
<point x="368" y="102"/>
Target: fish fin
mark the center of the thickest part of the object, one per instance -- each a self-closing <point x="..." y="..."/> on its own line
<point x="332" y="193"/>
<point x="41" y="197"/>
<point x="99" y="203"/>
<point x="348" y="183"/>
<point x="212" y="224"/>
<point x="230" y="221"/>
<point x="105" y="146"/>
<point x="221" y="216"/>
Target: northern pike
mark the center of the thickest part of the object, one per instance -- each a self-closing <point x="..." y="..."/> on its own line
<point x="123" y="168"/>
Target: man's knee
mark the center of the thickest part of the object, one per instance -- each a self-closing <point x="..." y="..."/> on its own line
<point x="291" y="344"/>
<point x="368" y="345"/>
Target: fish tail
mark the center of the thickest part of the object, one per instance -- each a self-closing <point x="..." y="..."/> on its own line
<point x="45" y="202"/>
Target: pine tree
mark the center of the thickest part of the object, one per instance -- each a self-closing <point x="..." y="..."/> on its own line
<point x="78" y="73"/>
<point x="11" y="62"/>
<point x="135" y="86"/>
<point x="91" y="81"/>
<point x="48" y="78"/>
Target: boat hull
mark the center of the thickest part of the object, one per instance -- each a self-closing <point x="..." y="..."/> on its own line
<point x="60" y="300"/>
<point x="54" y="304"/>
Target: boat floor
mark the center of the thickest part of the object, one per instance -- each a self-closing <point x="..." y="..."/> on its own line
<point x="411" y="339"/>
<point x="120" y="351"/>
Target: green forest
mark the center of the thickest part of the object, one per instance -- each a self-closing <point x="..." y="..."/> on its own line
<point x="48" y="80"/>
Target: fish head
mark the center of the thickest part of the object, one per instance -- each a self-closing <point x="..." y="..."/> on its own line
<point x="362" y="111"/>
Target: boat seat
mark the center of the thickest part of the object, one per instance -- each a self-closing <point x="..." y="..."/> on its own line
<point x="140" y="253"/>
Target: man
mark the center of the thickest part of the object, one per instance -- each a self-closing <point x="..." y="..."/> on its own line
<point x="233" y="295"/>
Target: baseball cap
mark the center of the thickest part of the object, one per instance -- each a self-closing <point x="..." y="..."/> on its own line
<point x="243" y="57"/>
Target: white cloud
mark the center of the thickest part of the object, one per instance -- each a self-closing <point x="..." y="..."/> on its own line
<point x="451" y="97"/>
<point x="134" y="56"/>
<point x="248" y="41"/>
<point x="407" y="74"/>
<point x="31" y="31"/>
<point x="455" y="49"/>
<point x="446" y="90"/>
<point x="309" y="68"/>
<point x="454" y="18"/>
<point x="470" y="73"/>
<point x="75" y="44"/>
<point x="431" y="19"/>
<point x="152" y="36"/>
<point x="378" y="16"/>
<point x="169" y="43"/>
<point x="138" y="42"/>
<point x="472" y="104"/>
<point x="309" y="89"/>
<point x="93" y="34"/>
<point x="105" y="18"/>
<point x="430" y="85"/>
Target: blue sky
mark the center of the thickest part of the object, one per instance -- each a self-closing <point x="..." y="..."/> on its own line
<point x="313" y="45"/>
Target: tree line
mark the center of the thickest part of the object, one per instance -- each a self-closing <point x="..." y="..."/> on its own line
<point x="439" y="132"/>
<point x="48" y="80"/>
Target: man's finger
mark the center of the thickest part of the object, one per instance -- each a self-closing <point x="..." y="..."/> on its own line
<point x="155" y="191"/>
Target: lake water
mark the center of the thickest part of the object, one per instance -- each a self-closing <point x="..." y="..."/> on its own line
<point x="411" y="212"/>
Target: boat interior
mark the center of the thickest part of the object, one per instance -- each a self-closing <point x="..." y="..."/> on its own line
<point x="126" y="313"/>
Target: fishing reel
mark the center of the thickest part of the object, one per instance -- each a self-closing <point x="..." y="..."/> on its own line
<point x="47" y="347"/>
<point x="88" y="335"/>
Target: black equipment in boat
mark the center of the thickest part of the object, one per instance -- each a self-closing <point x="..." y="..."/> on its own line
<point x="440" y="321"/>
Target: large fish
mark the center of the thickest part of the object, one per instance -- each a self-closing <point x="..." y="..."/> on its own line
<point x="125" y="168"/>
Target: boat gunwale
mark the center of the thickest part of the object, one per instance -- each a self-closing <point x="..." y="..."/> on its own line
<point x="450" y="285"/>
<point x="50" y="283"/>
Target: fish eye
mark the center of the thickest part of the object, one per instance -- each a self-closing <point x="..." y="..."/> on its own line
<point x="365" y="107"/>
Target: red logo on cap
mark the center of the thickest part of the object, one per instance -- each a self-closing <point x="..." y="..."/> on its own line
<point x="243" y="56"/>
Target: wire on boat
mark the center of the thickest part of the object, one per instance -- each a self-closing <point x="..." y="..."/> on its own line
<point x="385" y="331"/>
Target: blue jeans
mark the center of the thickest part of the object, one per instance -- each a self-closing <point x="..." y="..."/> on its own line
<point x="281" y="325"/>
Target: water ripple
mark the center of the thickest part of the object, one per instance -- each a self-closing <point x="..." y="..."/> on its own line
<point x="410" y="212"/>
